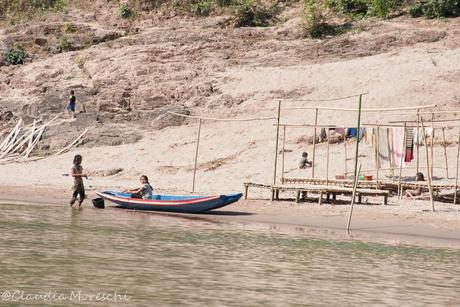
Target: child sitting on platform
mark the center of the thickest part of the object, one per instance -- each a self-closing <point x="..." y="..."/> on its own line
<point x="304" y="163"/>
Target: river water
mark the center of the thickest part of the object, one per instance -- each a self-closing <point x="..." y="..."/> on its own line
<point x="60" y="256"/>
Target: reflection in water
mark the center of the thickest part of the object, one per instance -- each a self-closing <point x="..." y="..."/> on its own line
<point x="166" y="260"/>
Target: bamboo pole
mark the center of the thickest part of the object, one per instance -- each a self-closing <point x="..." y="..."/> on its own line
<point x="445" y="152"/>
<point x="391" y="157"/>
<point x="14" y="145"/>
<point x="345" y="150"/>
<point x="62" y="150"/>
<point x="29" y="149"/>
<point x="277" y="141"/>
<point x="196" y="154"/>
<point x="353" y="196"/>
<point x="282" y="165"/>
<point x="8" y="138"/>
<point x="401" y="161"/>
<point x="13" y="141"/>
<point x="428" y="168"/>
<point x="327" y="156"/>
<point x="222" y="119"/>
<point x="31" y="135"/>
<point x="432" y="147"/>
<point x="398" y="109"/>
<point x="378" y="153"/>
<point x="314" y="145"/>
<point x="356" y="163"/>
<point x="418" y="142"/>
<point x="386" y="169"/>
<point x="456" y="171"/>
<point x="19" y="144"/>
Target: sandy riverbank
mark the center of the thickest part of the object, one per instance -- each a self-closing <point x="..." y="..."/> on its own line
<point x="397" y="224"/>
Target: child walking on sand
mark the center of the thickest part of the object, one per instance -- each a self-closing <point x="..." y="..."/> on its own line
<point x="71" y="105"/>
<point x="78" y="188"/>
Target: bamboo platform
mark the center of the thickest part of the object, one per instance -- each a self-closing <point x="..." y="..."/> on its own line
<point x="321" y="190"/>
<point x="384" y="185"/>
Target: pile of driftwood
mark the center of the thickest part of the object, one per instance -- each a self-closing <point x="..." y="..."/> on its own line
<point x="22" y="140"/>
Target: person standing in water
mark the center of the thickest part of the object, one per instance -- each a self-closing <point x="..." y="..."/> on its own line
<point x="78" y="188"/>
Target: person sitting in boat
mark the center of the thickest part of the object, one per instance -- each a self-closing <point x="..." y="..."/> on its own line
<point x="144" y="192"/>
<point x="304" y="163"/>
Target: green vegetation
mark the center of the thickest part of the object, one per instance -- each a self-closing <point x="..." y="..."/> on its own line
<point x="251" y="13"/>
<point x="363" y="8"/>
<point x="436" y="9"/>
<point x="125" y="10"/>
<point x="314" y="18"/>
<point x="17" y="11"/>
<point x="203" y="8"/>
<point x="15" y="55"/>
<point x="68" y="28"/>
<point x="64" y="43"/>
<point x="315" y="21"/>
<point x="247" y="12"/>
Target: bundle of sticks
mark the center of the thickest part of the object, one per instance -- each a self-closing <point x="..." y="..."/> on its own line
<point x="22" y="140"/>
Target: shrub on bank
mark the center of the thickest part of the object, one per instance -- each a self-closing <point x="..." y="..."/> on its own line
<point x="15" y="55"/>
<point x="18" y="10"/>
<point x="363" y="8"/>
<point x="125" y="10"/>
<point x="252" y="13"/>
<point x="436" y="9"/>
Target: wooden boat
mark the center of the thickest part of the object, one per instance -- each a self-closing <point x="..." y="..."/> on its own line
<point x="171" y="203"/>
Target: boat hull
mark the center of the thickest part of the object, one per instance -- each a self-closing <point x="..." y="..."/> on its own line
<point x="170" y="203"/>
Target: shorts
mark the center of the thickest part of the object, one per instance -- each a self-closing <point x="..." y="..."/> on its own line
<point x="71" y="107"/>
<point x="78" y="190"/>
<point x="135" y="195"/>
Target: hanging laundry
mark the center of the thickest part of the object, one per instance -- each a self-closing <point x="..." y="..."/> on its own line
<point x="384" y="153"/>
<point x="399" y="149"/>
<point x="369" y="136"/>
<point x="340" y="130"/>
<point x="362" y="133"/>
<point x="353" y="132"/>
<point x="419" y="137"/>
<point x="409" y="155"/>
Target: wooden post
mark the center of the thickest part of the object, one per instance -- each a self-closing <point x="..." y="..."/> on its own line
<point x="428" y="168"/>
<point x="378" y="153"/>
<point x="445" y="152"/>
<point x="390" y="154"/>
<point x="282" y="165"/>
<point x="32" y="134"/>
<point x="277" y="141"/>
<point x="345" y="145"/>
<point x="456" y="171"/>
<point x="196" y="154"/>
<point x="327" y="156"/>
<point x="432" y="147"/>
<point x="353" y="196"/>
<point x="314" y="145"/>
<point x="356" y="162"/>
<point x="418" y="142"/>
<point x="401" y="161"/>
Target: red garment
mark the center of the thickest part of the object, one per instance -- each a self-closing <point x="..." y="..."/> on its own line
<point x="409" y="155"/>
